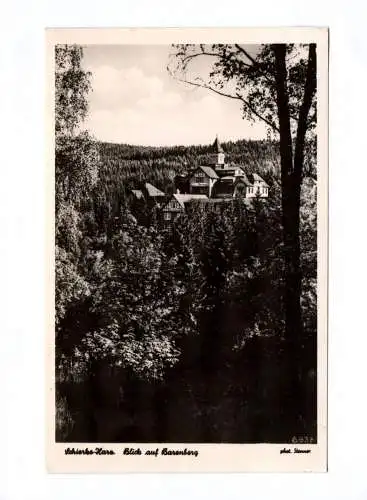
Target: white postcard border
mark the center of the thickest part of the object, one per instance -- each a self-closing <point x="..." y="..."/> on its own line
<point x="211" y="457"/>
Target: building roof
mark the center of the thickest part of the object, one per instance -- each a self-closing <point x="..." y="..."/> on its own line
<point x="209" y="171"/>
<point x="229" y="170"/>
<point x="235" y="178"/>
<point x="138" y="194"/>
<point x="217" y="147"/>
<point x="231" y="167"/>
<point x="184" y="198"/>
<point x="153" y="191"/>
<point x="221" y="199"/>
<point x="239" y="167"/>
<point x="245" y="180"/>
<point x="257" y="177"/>
<point x="225" y="168"/>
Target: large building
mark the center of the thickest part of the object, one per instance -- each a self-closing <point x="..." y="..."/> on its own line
<point x="215" y="183"/>
<point x="222" y="180"/>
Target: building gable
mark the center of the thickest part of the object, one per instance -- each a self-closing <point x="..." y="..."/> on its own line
<point x="138" y="194"/>
<point x="257" y="180"/>
<point x="152" y="191"/>
<point x="204" y="172"/>
<point x="172" y="205"/>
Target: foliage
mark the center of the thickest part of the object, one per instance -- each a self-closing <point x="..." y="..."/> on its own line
<point x="72" y="85"/>
<point x="76" y="164"/>
<point x="70" y="285"/>
<point x="76" y="158"/>
<point x="248" y="75"/>
<point x="63" y="420"/>
<point x="136" y="299"/>
<point x="275" y="84"/>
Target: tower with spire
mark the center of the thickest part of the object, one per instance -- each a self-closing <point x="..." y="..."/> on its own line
<point x="218" y="154"/>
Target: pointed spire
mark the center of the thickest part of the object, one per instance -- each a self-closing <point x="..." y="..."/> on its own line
<point x="217" y="146"/>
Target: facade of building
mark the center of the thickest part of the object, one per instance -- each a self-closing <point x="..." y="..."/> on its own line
<point x="202" y="180"/>
<point x="178" y="204"/>
<point x="220" y="179"/>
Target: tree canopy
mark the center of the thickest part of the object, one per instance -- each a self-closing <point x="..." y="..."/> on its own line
<point x="276" y="84"/>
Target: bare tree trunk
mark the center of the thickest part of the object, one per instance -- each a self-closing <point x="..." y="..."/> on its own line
<point x="290" y="203"/>
<point x="291" y="173"/>
<point x="292" y="402"/>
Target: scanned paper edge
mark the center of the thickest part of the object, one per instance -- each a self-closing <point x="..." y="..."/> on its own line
<point x="213" y="457"/>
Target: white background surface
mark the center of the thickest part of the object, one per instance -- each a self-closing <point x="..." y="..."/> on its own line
<point x="22" y="225"/>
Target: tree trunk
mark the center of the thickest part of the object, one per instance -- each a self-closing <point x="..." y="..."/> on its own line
<point x="290" y="204"/>
<point x="292" y="398"/>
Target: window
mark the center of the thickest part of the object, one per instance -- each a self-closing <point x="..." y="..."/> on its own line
<point x="200" y="177"/>
<point x="167" y="215"/>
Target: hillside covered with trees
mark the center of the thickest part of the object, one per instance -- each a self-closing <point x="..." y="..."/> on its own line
<point x="125" y="167"/>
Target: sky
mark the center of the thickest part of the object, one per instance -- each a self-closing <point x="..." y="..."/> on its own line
<point x="135" y="101"/>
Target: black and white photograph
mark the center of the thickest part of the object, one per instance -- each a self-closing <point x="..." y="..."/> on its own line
<point x="189" y="247"/>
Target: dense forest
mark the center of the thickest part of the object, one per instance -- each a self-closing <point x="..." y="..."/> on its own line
<point x="172" y="334"/>
<point x="160" y="164"/>
<point x="124" y="167"/>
